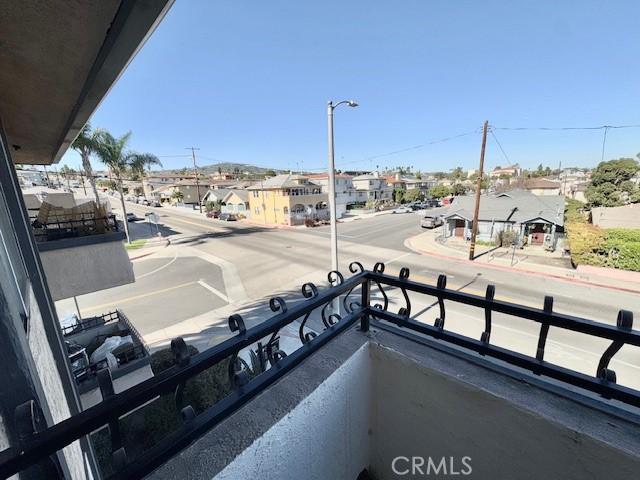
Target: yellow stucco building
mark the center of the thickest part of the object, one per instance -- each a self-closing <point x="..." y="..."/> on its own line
<point x="287" y="200"/>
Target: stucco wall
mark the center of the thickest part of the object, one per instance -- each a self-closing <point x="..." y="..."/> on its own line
<point x="323" y="437"/>
<point x="427" y="413"/>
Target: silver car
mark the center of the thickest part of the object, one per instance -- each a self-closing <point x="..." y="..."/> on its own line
<point x="430" y="222"/>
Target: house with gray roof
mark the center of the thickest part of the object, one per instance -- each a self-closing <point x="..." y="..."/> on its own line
<point x="536" y="220"/>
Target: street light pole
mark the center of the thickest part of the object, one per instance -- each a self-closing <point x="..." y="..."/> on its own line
<point x="332" y="190"/>
<point x="332" y="182"/>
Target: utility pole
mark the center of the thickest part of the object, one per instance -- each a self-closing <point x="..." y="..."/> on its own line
<point x="195" y="169"/>
<point x="476" y="212"/>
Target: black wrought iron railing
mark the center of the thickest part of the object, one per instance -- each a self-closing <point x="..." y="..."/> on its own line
<point x="269" y="362"/>
<point x="82" y="225"/>
<point x="93" y="322"/>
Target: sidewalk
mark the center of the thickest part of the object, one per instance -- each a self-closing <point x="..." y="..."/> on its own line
<point x="426" y="244"/>
<point x="151" y="246"/>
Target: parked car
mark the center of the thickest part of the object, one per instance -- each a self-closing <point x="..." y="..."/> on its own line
<point x="430" y="221"/>
<point x="155" y="203"/>
<point x="228" y="217"/>
<point x="402" y="209"/>
<point x="142" y="200"/>
<point x="132" y="217"/>
<point x="417" y="206"/>
<point x="213" y="214"/>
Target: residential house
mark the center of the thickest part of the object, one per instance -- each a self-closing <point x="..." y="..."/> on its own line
<point x="237" y="202"/>
<point x="345" y="191"/>
<point x="542" y="186"/>
<point x="192" y="192"/>
<point x="287" y="200"/>
<point x="154" y="180"/>
<point x="372" y="187"/>
<point x="215" y="195"/>
<point x="510" y="171"/>
<point x="223" y="176"/>
<point x="399" y="182"/>
<point x="536" y="220"/>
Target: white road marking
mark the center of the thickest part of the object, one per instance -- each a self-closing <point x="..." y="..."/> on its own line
<point x="213" y="290"/>
<point x="157" y="269"/>
<point x="398" y="258"/>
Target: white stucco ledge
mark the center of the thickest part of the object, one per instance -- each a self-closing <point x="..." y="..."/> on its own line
<point x="76" y="266"/>
<point x="363" y="400"/>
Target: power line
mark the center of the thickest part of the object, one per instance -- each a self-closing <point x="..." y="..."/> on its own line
<point x="499" y="145"/>
<point x="601" y="127"/>
<point x="408" y="149"/>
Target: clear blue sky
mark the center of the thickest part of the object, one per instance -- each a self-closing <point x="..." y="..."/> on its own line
<point x="248" y="81"/>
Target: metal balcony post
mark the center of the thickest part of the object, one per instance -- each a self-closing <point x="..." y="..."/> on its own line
<point x="366" y="303"/>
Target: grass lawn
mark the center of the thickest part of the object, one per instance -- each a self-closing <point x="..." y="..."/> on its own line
<point x="136" y="244"/>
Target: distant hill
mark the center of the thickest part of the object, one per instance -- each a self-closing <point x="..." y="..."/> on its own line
<point x="228" y="167"/>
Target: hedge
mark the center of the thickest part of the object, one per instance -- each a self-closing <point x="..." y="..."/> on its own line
<point x="615" y="247"/>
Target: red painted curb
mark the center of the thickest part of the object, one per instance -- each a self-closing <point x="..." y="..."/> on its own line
<point x="407" y="244"/>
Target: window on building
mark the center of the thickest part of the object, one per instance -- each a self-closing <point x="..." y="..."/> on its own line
<point x="286" y="210"/>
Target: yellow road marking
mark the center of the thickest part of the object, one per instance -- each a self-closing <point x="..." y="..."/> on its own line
<point x="137" y="297"/>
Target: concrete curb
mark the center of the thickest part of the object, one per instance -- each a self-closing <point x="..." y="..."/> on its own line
<point x="407" y="243"/>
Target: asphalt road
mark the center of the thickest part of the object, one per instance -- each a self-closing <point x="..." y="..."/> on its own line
<point x="166" y="291"/>
<point x="270" y="260"/>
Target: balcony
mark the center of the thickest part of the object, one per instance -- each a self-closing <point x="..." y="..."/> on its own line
<point x="368" y="391"/>
<point x="81" y="251"/>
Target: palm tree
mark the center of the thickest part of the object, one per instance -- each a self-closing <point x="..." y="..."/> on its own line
<point x="141" y="162"/>
<point x="112" y="152"/>
<point x="177" y="195"/>
<point x="67" y="173"/>
<point x="86" y="144"/>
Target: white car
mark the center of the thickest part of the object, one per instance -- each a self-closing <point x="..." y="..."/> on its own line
<point x="431" y="222"/>
<point x="402" y="210"/>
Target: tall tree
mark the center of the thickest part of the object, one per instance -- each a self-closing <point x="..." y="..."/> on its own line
<point x="86" y="144"/>
<point x="611" y="183"/>
<point x="141" y="163"/>
<point x="112" y="152"/>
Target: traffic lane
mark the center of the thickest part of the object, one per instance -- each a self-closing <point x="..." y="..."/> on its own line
<point x="389" y="230"/>
<point x="166" y="291"/>
<point x="289" y="246"/>
<point x="565" y="348"/>
<point x="592" y="302"/>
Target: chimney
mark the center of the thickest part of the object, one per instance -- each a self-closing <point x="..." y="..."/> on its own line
<point x="398" y="176"/>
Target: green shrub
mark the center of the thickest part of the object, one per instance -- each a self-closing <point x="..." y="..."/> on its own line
<point x="505" y="238"/>
<point x="615" y="248"/>
<point x="623" y="234"/>
<point x="145" y="427"/>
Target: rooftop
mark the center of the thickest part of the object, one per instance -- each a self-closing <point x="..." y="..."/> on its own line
<point x="541" y="183"/>
<point x="281" y="181"/>
<point x="514" y="206"/>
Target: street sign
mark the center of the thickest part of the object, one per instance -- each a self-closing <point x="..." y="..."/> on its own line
<point x="152" y="217"/>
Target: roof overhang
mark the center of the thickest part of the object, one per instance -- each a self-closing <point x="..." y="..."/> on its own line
<point x="59" y="60"/>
